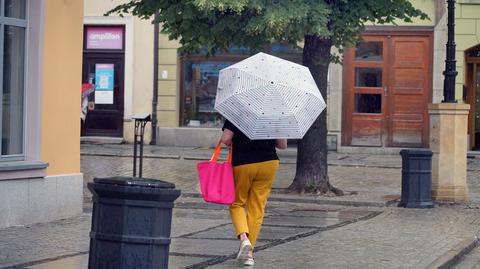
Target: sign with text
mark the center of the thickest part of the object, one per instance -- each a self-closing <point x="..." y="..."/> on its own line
<point x="104" y="83"/>
<point x="104" y="38"/>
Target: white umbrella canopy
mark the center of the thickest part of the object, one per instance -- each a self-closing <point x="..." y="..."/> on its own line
<point x="267" y="97"/>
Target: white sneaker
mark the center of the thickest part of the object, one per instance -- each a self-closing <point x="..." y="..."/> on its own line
<point x="245" y="247"/>
<point x="249" y="261"/>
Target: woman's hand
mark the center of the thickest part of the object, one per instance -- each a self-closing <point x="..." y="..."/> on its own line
<point x="227" y="137"/>
<point x="281" y="143"/>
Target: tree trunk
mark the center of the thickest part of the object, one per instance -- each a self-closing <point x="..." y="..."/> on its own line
<point x="312" y="167"/>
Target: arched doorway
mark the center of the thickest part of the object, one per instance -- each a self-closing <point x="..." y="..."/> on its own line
<point x="472" y="60"/>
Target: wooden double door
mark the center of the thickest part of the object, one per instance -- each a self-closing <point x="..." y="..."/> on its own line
<point x="387" y="88"/>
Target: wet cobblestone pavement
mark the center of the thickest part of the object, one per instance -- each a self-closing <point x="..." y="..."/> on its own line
<point x="354" y="231"/>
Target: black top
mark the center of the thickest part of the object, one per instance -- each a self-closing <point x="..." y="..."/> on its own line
<point x="247" y="151"/>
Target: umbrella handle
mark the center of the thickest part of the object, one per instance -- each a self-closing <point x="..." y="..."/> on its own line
<point x="217" y="152"/>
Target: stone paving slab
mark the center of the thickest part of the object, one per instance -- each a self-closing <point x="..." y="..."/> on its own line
<point x="373" y="186"/>
<point x="45" y="240"/>
<point x="180" y="217"/>
<point x="470" y="261"/>
<point x="368" y="180"/>
<point x="184" y="261"/>
<point x="195" y="241"/>
<point x="398" y="238"/>
<point x="81" y="262"/>
<point x="74" y="262"/>
<point x="287" y="156"/>
<point x="268" y="233"/>
<point x="299" y="221"/>
<point x="217" y="247"/>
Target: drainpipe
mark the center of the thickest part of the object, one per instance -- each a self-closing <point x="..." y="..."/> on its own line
<point x="156" y="27"/>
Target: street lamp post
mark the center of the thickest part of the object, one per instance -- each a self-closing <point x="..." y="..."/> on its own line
<point x="450" y="70"/>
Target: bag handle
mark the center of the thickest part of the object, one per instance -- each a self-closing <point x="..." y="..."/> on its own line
<point x="217" y="152"/>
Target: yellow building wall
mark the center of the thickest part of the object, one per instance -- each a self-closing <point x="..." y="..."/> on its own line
<point x="428" y="7"/>
<point x="467" y="35"/>
<point x="62" y="70"/>
<point x="168" y="108"/>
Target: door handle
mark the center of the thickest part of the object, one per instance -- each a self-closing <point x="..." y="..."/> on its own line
<point x="385" y="91"/>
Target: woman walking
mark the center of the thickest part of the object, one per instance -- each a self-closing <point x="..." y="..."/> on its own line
<point x="255" y="164"/>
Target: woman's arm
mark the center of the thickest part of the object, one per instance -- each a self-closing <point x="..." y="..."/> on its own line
<point x="227" y="137"/>
<point x="281" y="143"/>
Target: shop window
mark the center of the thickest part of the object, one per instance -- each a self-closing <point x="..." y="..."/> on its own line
<point x="199" y="92"/>
<point x="368" y="103"/>
<point x="368" y="77"/>
<point x="200" y="79"/>
<point x="369" y="51"/>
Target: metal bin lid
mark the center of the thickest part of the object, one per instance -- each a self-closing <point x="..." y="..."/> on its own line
<point x="135" y="181"/>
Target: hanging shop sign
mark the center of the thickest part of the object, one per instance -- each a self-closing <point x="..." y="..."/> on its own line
<point x="104" y="38"/>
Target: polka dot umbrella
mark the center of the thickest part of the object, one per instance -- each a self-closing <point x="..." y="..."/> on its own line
<point x="267" y="97"/>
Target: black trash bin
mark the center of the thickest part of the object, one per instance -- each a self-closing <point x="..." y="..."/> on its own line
<point x="416" y="178"/>
<point x="131" y="222"/>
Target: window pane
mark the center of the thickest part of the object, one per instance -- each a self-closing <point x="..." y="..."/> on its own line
<point x="369" y="51"/>
<point x="15" y="8"/>
<point x="13" y="90"/>
<point x="200" y="90"/>
<point x="368" y="103"/>
<point x="368" y="77"/>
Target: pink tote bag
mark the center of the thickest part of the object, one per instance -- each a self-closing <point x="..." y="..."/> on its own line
<point x="216" y="179"/>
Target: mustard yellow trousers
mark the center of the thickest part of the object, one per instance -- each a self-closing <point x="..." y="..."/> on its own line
<point x="253" y="183"/>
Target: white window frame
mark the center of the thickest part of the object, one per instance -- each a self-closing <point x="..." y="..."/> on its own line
<point x="30" y="164"/>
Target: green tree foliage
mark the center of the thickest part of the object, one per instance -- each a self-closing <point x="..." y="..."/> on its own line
<point x="218" y="24"/>
<point x="318" y="25"/>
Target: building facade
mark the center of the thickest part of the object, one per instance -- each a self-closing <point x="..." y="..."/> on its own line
<point x="41" y="49"/>
<point x="118" y="59"/>
<point x="377" y="99"/>
<point x="468" y="64"/>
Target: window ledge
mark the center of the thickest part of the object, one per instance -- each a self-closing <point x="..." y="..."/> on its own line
<point x="22" y="169"/>
<point x="22" y="165"/>
<point x="471" y="2"/>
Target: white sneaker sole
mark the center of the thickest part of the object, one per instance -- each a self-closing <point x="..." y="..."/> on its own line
<point x="249" y="262"/>
<point x="245" y="247"/>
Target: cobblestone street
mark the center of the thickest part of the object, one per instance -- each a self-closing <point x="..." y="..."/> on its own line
<point x="363" y="229"/>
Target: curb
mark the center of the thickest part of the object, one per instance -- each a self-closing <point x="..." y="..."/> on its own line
<point x="119" y="155"/>
<point x="312" y="200"/>
<point x="454" y="255"/>
<point x="287" y="160"/>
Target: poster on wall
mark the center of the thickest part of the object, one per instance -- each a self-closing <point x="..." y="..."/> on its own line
<point x="104" y="83"/>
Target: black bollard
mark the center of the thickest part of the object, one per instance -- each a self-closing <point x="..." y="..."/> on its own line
<point x="416" y="178"/>
<point x="131" y="223"/>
